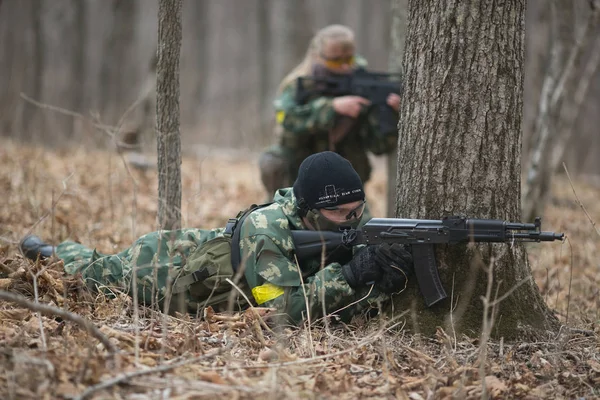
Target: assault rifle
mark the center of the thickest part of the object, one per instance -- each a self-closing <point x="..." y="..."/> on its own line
<point x="422" y="235"/>
<point x="374" y="86"/>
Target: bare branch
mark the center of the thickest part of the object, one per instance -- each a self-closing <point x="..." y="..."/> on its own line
<point x="50" y="310"/>
<point x="125" y="377"/>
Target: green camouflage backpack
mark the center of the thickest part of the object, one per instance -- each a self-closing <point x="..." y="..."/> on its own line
<point x="204" y="276"/>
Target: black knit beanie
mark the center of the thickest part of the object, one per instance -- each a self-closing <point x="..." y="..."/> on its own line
<point x="327" y="179"/>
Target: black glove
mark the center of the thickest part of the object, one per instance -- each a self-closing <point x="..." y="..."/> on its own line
<point x="363" y="269"/>
<point x="396" y="264"/>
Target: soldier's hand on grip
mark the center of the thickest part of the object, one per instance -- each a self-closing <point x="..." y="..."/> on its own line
<point x="396" y="264"/>
<point x="350" y="106"/>
<point x="363" y="269"/>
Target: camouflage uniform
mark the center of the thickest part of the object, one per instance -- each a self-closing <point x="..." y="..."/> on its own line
<point x="304" y="130"/>
<point x="267" y="254"/>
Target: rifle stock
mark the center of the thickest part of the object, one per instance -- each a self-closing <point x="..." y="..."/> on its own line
<point x="310" y="244"/>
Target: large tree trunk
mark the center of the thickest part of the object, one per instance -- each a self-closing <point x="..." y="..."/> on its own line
<point x="459" y="154"/>
<point x="168" y="115"/>
<point x="397" y="40"/>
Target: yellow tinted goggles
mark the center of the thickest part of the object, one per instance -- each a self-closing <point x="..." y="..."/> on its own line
<point x="338" y="62"/>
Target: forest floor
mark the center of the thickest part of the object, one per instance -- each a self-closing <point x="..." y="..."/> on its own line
<point x="93" y="197"/>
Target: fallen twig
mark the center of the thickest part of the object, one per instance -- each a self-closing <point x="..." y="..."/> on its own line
<point x="124" y="377"/>
<point x="50" y="310"/>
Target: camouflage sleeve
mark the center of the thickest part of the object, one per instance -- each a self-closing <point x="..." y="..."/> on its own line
<point x="326" y="291"/>
<point x="269" y="270"/>
<point x="304" y="119"/>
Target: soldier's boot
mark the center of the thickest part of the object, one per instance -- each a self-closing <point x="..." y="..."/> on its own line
<point x="33" y="247"/>
<point x="272" y="172"/>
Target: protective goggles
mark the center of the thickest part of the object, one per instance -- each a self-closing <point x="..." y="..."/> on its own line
<point x="337" y="62"/>
<point x="355" y="213"/>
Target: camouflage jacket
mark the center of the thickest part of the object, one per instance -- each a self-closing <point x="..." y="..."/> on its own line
<point x="304" y="130"/>
<point x="267" y="254"/>
<point x="277" y="280"/>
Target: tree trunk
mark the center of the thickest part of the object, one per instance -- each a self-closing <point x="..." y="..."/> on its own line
<point x="459" y="154"/>
<point x="168" y="114"/>
<point x="397" y="40"/>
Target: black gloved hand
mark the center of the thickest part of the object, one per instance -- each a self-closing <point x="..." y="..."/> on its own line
<point x="363" y="269"/>
<point x="396" y="264"/>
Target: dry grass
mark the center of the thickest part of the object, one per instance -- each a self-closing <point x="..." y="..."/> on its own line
<point x="88" y="196"/>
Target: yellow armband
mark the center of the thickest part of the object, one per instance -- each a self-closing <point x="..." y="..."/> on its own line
<point x="280" y="116"/>
<point x="266" y="292"/>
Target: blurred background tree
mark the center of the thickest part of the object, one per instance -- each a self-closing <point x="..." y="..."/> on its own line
<point x="572" y="63"/>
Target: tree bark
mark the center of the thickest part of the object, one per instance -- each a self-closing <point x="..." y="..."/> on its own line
<point x="397" y="39"/>
<point x="168" y="114"/>
<point x="459" y="154"/>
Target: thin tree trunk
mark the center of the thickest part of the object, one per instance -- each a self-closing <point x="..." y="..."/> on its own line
<point x="459" y="154"/>
<point x="168" y="114"/>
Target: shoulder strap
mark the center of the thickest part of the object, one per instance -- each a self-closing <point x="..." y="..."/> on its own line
<point x="234" y="226"/>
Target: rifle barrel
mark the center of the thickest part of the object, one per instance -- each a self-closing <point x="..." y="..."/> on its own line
<point x="537" y="236"/>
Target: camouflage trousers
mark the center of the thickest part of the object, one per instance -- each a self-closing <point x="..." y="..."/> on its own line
<point x="154" y="257"/>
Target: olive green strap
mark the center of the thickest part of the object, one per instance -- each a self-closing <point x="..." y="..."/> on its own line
<point x="184" y="282"/>
<point x="235" y="239"/>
